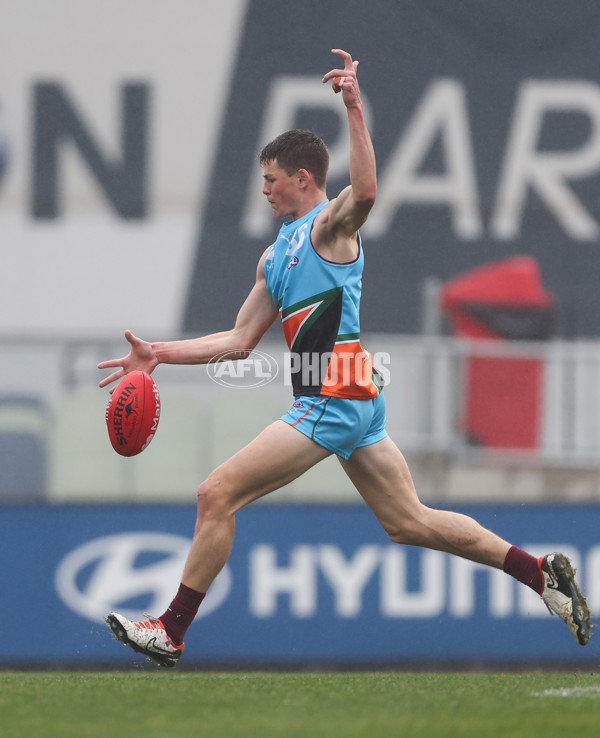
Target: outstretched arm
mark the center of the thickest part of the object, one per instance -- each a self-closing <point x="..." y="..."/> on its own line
<point x="254" y="318"/>
<point x="350" y="209"/>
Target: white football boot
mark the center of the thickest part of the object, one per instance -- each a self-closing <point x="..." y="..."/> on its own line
<point x="148" y="637"/>
<point x="562" y="596"/>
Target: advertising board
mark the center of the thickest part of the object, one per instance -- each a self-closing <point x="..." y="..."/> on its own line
<point x="303" y="585"/>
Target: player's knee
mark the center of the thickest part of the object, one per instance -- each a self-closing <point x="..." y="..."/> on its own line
<point x="403" y="535"/>
<point x="407" y="531"/>
<point x="213" y="498"/>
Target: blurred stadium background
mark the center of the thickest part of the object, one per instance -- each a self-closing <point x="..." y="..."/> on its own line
<point x="130" y="198"/>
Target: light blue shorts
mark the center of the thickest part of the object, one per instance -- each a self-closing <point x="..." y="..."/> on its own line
<point x="338" y="424"/>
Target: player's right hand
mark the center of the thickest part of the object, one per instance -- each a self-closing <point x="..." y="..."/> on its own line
<point x="344" y="80"/>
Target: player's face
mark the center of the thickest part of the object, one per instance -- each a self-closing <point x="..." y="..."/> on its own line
<point x="280" y="189"/>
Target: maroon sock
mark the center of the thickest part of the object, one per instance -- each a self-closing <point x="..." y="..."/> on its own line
<point x="178" y="617"/>
<point x="525" y="568"/>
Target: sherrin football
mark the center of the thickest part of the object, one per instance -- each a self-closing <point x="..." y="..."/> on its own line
<point x="133" y="413"/>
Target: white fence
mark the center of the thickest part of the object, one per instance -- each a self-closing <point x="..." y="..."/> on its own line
<point x="53" y="442"/>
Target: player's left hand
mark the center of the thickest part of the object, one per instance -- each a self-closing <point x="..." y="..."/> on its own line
<point x="141" y="356"/>
<point x="344" y="80"/>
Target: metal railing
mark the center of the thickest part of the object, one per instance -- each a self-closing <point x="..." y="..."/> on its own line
<point x="430" y="399"/>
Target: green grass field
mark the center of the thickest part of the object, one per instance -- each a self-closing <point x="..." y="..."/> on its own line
<point x="307" y="705"/>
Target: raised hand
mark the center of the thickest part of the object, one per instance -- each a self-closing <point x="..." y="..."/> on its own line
<point x="344" y="80"/>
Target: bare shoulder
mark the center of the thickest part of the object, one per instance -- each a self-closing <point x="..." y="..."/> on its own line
<point x="334" y="236"/>
<point x="260" y="273"/>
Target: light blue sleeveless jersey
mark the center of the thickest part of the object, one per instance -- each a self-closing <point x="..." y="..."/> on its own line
<point x="319" y="303"/>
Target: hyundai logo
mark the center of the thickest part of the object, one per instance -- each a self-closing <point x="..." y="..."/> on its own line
<point x="124" y="571"/>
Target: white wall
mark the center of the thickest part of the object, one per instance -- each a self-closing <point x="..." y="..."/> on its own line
<point x="70" y="274"/>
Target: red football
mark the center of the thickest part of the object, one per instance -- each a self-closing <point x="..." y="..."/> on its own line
<point x="132" y="413"/>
